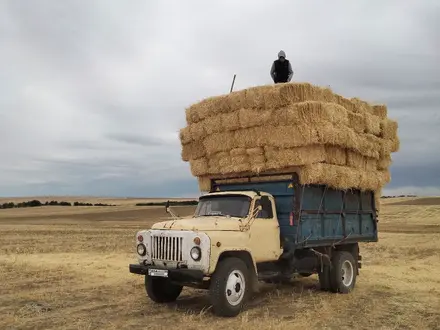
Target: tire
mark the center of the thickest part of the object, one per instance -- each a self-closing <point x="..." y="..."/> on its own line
<point x="228" y="299"/>
<point x="161" y="290"/>
<point x="343" y="272"/>
<point x="324" y="278"/>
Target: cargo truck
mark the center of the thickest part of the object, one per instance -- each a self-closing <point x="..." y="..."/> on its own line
<point x="257" y="228"/>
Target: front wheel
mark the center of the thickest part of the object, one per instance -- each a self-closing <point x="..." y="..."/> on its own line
<point x="161" y="290"/>
<point x="229" y="287"/>
<point x="343" y="272"/>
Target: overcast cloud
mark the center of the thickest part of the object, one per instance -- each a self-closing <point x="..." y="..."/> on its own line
<point x="93" y="94"/>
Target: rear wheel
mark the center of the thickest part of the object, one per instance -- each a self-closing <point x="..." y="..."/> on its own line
<point x="229" y="287"/>
<point x="343" y="272"/>
<point x="161" y="290"/>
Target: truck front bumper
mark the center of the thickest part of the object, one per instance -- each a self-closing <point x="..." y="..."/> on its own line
<point x="180" y="275"/>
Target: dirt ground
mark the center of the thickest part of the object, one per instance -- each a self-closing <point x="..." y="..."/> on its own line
<point x="67" y="268"/>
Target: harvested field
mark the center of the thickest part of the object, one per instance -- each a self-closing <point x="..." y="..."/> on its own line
<point x="69" y="270"/>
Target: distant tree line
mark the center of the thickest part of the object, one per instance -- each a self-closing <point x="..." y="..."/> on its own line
<point x="35" y="203"/>
<point x="172" y="203"/>
<point x="398" y="196"/>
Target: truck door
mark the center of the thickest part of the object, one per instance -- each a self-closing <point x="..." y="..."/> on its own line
<point x="264" y="232"/>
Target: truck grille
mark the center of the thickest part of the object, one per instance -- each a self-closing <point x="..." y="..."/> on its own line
<point x="167" y="248"/>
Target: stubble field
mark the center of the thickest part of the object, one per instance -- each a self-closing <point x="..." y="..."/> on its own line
<point x="67" y="268"/>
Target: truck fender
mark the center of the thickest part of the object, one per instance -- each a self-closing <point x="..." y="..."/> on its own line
<point x="244" y="255"/>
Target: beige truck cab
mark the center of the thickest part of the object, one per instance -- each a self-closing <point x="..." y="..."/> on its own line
<point x="218" y="249"/>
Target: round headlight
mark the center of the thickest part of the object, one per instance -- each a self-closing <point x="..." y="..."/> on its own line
<point x="196" y="253"/>
<point x="141" y="249"/>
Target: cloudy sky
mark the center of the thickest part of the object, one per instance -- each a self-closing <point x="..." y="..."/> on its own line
<point x="93" y="93"/>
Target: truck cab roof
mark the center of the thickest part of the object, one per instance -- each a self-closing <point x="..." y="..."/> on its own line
<point x="249" y="193"/>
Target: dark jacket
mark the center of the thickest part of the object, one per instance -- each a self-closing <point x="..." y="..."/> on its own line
<point x="281" y="72"/>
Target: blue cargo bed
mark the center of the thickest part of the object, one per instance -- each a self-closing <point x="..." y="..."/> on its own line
<point x="315" y="215"/>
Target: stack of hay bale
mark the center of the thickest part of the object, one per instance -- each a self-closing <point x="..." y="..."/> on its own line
<point x="324" y="137"/>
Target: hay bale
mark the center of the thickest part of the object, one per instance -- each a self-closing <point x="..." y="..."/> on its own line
<point x="311" y="112"/>
<point x="356" y="122"/>
<point x="280" y="158"/>
<point x="358" y="161"/>
<point x="200" y="110"/>
<point x="230" y="121"/>
<point x="199" y="167"/>
<point x="198" y="130"/>
<point x="335" y="155"/>
<point x="217" y="142"/>
<point x="384" y="162"/>
<point x="344" y="102"/>
<point x="388" y="129"/>
<point x="342" y="177"/>
<point x="212" y="124"/>
<point x="255" y="151"/>
<point x="185" y="135"/>
<point x="380" y="110"/>
<point x="193" y="150"/>
<point x="204" y="183"/>
<point x="252" y="117"/>
<point x="372" y="124"/>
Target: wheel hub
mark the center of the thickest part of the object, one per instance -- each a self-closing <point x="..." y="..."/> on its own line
<point x="347" y="273"/>
<point x="235" y="287"/>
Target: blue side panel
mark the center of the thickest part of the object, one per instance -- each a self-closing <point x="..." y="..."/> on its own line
<point x="282" y="191"/>
<point x="326" y="216"/>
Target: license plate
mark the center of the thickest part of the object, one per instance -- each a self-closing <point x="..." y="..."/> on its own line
<point x="158" y="272"/>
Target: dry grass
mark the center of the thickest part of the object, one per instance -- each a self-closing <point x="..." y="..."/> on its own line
<point x="70" y="271"/>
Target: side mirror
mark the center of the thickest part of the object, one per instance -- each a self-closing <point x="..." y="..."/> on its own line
<point x="167" y="206"/>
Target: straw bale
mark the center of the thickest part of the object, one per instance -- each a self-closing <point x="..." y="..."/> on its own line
<point x="185" y="135"/>
<point x="280" y="158"/>
<point x="279" y="116"/>
<point x="238" y="152"/>
<point x="200" y="110"/>
<point x="239" y="161"/>
<point x="388" y="129"/>
<point x="251" y="137"/>
<point x="358" y="161"/>
<point x="384" y="162"/>
<point x="310" y="112"/>
<point x="297" y="92"/>
<point x="267" y="97"/>
<point x="198" y="130"/>
<point x="342" y="177"/>
<point x="193" y="150"/>
<point x="380" y="110"/>
<point x="395" y="145"/>
<point x="253" y="117"/>
<point x="290" y="136"/>
<point x="255" y="151"/>
<point x="212" y="124"/>
<point x="336" y="113"/>
<point x="356" y="122"/>
<point x="199" y="166"/>
<point x="360" y="106"/>
<point x="219" y="163"/>
<point x="335" y="155"/>
<point x="257" y="163"/>
<point x="217" y="142"/>
<point x="204" y="183"/>
<point x="344" y="102"/>
<point x="372" y="124"/>
<point x="230" y="121"/>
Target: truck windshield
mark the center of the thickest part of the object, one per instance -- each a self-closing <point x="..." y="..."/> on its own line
<point x="233" y="206"/>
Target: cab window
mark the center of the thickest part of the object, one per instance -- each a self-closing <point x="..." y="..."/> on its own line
<point x="266" y="211"/>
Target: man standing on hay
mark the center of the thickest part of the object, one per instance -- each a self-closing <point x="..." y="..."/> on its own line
<point x="281" y="71"/>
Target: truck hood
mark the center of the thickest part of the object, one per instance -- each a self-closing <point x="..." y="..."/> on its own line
<point x="201" y="224"/>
